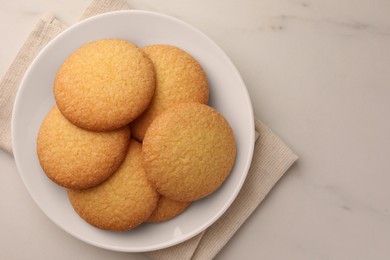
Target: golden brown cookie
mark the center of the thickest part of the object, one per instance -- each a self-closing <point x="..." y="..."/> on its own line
<point x="76" y="158"/>
<point x="179" y="79"/>
<point x="188" y="151"/>
<point x="123" y="201"/>
<point x="104" y="85"/>
<point x="167" y="209"/>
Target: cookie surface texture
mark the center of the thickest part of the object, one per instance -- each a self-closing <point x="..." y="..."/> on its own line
<point x="179" y="79"/>
<point x="104" y="85"/>
<point x="122" y="202"/>
<point x="188" y="151"/>
<point x="76" y="158"/>
<point x="167" y="209"/>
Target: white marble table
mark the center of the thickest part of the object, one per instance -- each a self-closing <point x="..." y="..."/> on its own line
<point x="319" y="75"/>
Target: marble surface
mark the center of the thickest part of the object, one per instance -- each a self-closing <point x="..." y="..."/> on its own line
<point x="319" y="75"/>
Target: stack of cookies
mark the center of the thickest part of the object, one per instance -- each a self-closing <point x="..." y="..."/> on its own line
<point x="131" y="136"/>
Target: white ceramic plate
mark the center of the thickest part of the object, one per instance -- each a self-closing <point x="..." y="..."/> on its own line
<point x="34" y="99"/>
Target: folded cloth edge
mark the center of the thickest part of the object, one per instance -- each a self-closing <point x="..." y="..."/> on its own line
<point x="45" y="29"/>
<point x="271" y="159"/>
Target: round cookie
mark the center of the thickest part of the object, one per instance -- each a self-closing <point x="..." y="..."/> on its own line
<point x="76" y="158"/>
<point x="167" y="209"/>
<point x="179" y="79"/>
<point x="122" y="202"/>
<point x="188" y="151"/>
<point x="104" y="85"/>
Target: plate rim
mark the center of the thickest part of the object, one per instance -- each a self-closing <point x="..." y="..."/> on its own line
<point x="16" y="107"/>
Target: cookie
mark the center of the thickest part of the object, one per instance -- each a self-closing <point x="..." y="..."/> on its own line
<point x="179" y="79"/>
<point x="188" y="151"/>
<point x="76" y="158"/>
<point x="167" y="209"/>
<point x="104" y="85"/>
<point x="122" y="202"/>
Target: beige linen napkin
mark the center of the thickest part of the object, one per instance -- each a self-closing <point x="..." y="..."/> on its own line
<point x="271" y="158"/>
